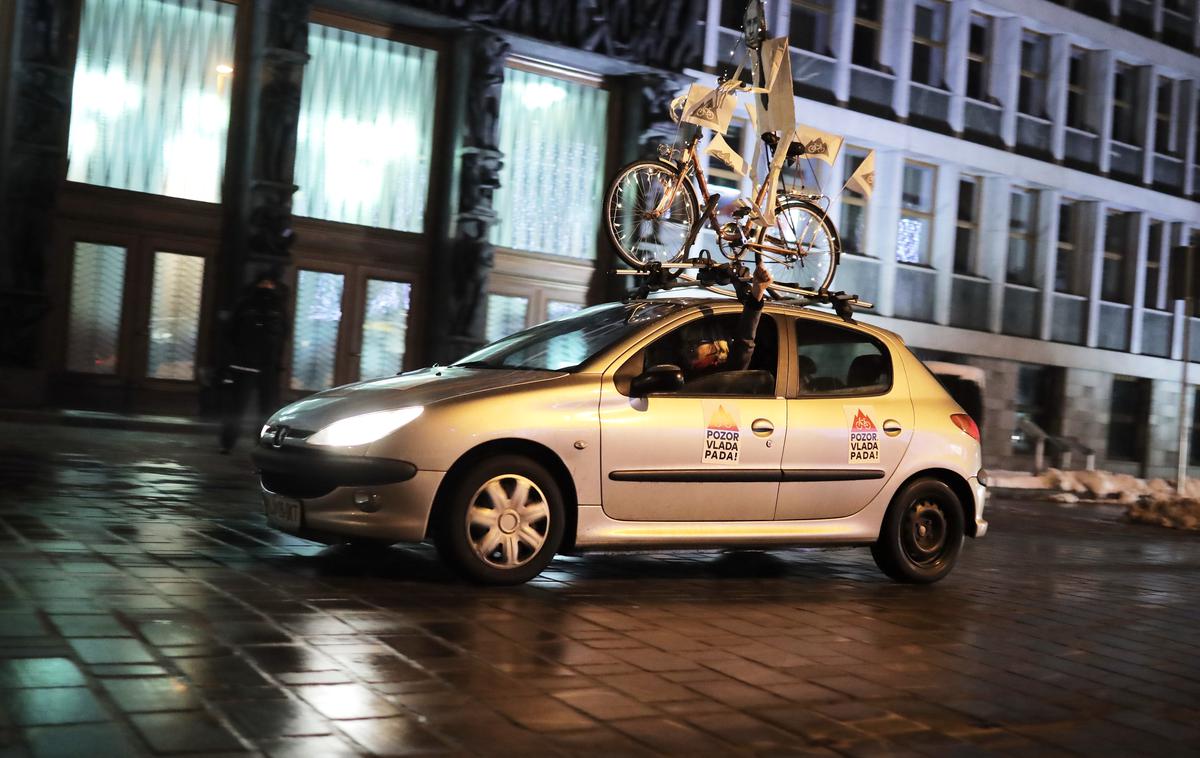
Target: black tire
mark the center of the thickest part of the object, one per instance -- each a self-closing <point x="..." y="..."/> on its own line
<point x="798" y="275"/>
<point x="640" y="259"/>
<point x="922" y="533"/>
<point x="462" y="535"/>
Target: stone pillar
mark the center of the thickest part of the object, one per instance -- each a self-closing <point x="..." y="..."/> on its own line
<point x="36" y="116"/>
<point x="461" y="264"/>
<point x="841" y="43"/>
<point x="1005" y="74"/>
<point x="279" y="78"/>
<point x="1047" y="257"/>
<point x="256" y="193"/>
<point x="1057" y="79"/>
<point x="958" y="31"/>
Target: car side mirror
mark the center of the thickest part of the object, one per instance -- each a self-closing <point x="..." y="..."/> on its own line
<point x="665" y="377"/>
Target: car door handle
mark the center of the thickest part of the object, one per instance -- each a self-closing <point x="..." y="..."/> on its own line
<point x="762" y="428"/>
<point x="891" y="427"/>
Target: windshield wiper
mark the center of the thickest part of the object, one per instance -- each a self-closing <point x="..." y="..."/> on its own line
<point x="474" y="364"/>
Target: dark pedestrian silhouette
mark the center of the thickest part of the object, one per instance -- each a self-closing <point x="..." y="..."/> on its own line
<point x="254" y="343"/>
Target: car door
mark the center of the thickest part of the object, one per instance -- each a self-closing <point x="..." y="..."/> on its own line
<point x="708" y="451"/>
<point x="850" y="420"/>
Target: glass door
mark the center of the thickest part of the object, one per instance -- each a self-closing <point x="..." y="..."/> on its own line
<point x="135" y="312"/>
<point x="350" y="323"/>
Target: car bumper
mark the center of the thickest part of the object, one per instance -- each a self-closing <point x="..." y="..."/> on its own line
<point x="340" y="497"/>
<point x="979" y="490"/>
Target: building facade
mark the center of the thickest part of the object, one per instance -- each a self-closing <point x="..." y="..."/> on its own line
<point x="429" y="173"/>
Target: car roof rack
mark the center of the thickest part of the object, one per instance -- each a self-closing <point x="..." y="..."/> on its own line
<point x="712" y="276"/>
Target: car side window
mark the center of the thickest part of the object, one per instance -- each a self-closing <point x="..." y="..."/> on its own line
<point x="708" y="353"/>
<point x="838" y="361"/>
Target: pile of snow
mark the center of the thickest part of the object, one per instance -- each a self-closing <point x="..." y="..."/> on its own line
<point x="1150" y="502"/>
<point x="1094" y="485"/>
<point x="1176" y="513"/>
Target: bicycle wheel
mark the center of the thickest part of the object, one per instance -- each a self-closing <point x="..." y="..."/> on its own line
<point x="804" y="230"/>
<point x="644" y="227"/>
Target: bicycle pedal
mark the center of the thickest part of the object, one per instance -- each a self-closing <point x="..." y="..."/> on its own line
<point x="742" y="212"/>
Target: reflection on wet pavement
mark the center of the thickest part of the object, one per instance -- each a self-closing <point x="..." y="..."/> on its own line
<point x="145" y="608"/>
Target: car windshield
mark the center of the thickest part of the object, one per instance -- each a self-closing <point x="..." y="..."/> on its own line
<point x="566" y="343"/>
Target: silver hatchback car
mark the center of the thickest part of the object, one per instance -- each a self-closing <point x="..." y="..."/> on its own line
<point x="601" y="431"/>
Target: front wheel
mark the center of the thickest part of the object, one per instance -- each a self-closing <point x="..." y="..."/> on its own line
<point x="503" y="521"/>
<point x="808" y="235"/>
<point x="922" y="533"/>
<point x="649" y="212"/>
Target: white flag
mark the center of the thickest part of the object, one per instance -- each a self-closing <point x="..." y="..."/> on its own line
<point x="709" y="108"/>
<point x="818" y="144"/>
<point x="863" y="178"/>
<point x="780" y="114"/>
<point x="721" y="150"/>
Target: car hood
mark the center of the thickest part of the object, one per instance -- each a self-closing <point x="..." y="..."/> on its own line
<point x="421" y="387"/>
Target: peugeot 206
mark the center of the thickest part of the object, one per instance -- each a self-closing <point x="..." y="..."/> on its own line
<point x="600" y="431"/>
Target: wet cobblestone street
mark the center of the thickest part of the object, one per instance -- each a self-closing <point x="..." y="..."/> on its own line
<point x="145" y="608"/>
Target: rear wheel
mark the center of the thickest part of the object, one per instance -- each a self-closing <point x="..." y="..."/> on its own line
<point x="922" y="533"/>
<point x="649" y="213"/>
<point x="808" y="234"/>
<point x="503" y="522"/>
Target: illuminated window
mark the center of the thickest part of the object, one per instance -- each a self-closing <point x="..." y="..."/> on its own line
<point x="552" y="134"/>
<point x="916" y="214"/>
<point x="966" y="225"/>
<point x="94" y="316"/>
<point x="315" y="337"/>
<point x="1022" y="235"/>
<point x="506" y="314"/>
<point x="384" y="329"/>
<point x="366" y="130"/>
<point x="150" y="106"/>
<point x="175" y="316"/>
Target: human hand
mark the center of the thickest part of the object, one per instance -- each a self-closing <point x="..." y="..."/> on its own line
<point x="760" y="281"/>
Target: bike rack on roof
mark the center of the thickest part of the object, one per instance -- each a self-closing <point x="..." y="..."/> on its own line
<point x="711" y="276"/>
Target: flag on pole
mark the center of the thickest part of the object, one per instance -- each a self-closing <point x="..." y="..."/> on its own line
<point x="780" y="113"/>
<point x="818" y="144"/>
<point x="721" y="150"/>
<point x="863" y="178"/>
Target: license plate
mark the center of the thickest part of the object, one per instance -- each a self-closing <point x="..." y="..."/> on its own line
<point x="283" y="512"/>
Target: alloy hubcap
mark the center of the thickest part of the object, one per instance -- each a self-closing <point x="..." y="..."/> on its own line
<point x="508" y="521"/>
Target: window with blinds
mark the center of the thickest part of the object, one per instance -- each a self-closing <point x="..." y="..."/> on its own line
<point x="552" y="134"/>
<point x="366" y="130"/>
<point x="150" y="105"/>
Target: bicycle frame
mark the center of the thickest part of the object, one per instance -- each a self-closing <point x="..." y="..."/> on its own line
<point x="692" y="164"/>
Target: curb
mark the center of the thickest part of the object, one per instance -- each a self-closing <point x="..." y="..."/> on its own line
<point x="103" y="420"/>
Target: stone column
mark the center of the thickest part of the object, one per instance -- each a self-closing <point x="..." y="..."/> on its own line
<point x="256" y="193"/>
<point x="36" y="116"/>
<point x="461" y="264"/>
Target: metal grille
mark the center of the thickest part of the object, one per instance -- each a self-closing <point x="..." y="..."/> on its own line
<point x="175" y="316"/>
<point x="94" y="322"/>
<point x="318" y="315"/>
<point x="552" y="134"/>
<point x="385" y="324"/>
<point x="150" y="105"/>
<point x="365" y="131"/>
<point x="505" y="315"/>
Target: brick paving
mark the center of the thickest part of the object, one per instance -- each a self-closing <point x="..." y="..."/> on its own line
<point x="145" y="608"/>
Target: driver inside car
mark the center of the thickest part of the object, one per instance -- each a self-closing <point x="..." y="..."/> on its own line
<point x="705" y="354"/>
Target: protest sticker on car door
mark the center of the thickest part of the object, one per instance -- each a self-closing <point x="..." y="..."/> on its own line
<point x="863" y="436"/>
<point x="722" y="438"/>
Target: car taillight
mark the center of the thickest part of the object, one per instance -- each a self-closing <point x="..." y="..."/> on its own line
<point x="966" y="423"/>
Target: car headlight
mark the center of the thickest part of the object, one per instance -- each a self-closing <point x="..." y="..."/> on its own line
<point x="368" y="427"/>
